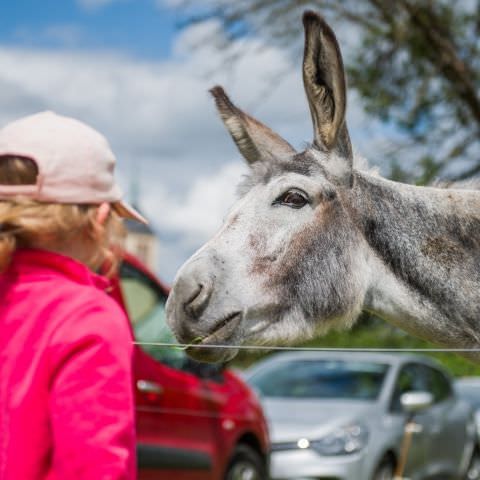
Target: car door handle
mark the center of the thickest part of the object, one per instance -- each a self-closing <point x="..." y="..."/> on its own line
<point x="148" y="386"/>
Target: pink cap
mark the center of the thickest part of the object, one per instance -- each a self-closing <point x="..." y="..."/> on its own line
<point x="75" y="163"/>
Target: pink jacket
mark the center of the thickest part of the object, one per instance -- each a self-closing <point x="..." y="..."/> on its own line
<point x="66" y="400"/>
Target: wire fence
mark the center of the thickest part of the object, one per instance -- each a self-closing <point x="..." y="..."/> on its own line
<point x="184" y="346"/>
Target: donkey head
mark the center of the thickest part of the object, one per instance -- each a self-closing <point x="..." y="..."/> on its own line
<point x="284" y="262"/>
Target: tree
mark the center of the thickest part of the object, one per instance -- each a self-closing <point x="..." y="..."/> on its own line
<point x="415" y="65"/>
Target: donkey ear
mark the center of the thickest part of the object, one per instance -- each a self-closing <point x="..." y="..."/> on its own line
<point x="255" y="141"/>
<point x="325" y="86"/>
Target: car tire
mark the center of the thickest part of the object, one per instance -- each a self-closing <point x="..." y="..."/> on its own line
<point x="473" y="471"/>
<point x="385" y="469"/>
<point x="246" y="464"/>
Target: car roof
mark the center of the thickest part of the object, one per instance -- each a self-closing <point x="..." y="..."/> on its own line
<point x="397" y="358"/>
<point x="474" y="381"/>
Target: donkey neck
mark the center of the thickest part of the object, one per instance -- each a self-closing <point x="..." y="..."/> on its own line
<point x="423" y="256"/>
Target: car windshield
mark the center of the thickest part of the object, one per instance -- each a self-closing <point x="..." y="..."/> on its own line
<point x="321" y="379"/>
<point x="146" y="308"/>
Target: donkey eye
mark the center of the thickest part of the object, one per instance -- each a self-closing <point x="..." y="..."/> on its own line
<point x="293" y="199"/>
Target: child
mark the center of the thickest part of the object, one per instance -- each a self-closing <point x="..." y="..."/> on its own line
<point x="66" y="399"/>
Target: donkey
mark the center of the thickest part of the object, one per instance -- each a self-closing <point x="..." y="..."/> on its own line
<point x="313" y="241"/>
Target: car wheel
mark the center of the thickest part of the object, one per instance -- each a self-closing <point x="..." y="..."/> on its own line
<point x="246" y="464"/>
<point x="473" y="472"/>
<point x="385" y="469"/>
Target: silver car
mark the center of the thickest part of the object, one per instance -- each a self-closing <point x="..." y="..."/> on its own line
<point x="468" y="388"/>
<point x="341" y="416"/>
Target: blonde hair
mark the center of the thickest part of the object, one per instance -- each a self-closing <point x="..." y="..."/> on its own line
<point x="60" y="227"/>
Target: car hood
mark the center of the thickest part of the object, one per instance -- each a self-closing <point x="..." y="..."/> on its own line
<point x="290" y="419"/>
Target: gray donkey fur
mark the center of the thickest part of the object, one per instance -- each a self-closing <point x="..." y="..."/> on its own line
<point x="312" y="241"/>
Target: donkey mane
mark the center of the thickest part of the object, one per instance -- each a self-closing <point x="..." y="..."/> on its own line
<point x="470" y="184"/>
<point x="262" y="173"/>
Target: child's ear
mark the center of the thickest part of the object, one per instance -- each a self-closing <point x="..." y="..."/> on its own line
<point x="102" y="212"/>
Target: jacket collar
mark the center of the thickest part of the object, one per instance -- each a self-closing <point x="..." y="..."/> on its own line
<point x="28" y="262"/>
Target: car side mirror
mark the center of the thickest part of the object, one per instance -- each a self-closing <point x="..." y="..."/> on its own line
<point x="415" y="402"/>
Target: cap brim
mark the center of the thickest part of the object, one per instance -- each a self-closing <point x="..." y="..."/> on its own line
<point x="126" y="211"/>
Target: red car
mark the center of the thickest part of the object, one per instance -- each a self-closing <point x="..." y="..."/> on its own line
<point x="194" y="421"/>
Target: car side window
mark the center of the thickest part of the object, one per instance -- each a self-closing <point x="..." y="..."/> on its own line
<point x="145" y="303"/>
<point x="411" y="378"/>
<point x="439" y="385"/>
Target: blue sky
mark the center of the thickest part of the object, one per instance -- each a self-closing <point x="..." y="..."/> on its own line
<point x="143" y="28"/>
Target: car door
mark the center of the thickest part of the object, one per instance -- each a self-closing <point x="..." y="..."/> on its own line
<point x="411" y="378"/>
<point x="448" y="421"/>
<point x="438" y="446"/>
<point x="175" y="435"/>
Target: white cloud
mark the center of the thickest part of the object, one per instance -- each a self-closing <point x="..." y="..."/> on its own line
<point x="200" y="211"/>
<point x="161" y="121"/>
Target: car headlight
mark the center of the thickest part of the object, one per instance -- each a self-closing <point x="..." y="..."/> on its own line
<point x="343" y="441"/>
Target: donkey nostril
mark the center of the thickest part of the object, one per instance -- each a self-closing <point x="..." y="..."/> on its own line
<point x="195" y="294"/>
<point x="198" y="300"/>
